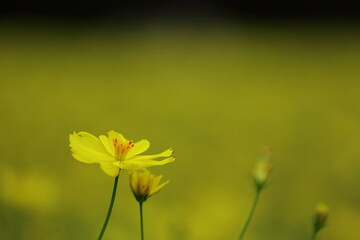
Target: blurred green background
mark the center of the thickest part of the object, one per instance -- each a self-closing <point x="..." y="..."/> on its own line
<point x="215" y="94"/>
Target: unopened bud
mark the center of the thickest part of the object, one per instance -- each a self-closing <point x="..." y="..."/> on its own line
<point x="262" y="170"/>
<point x="144" y="185"/>
<point x="321" y="214"/>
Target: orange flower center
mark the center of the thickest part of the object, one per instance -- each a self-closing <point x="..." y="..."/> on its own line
<point x="122" y="148"/>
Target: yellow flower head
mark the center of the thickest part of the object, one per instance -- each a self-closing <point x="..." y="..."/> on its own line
<point x="114" y="152"/>
<point x="144" y="185"/>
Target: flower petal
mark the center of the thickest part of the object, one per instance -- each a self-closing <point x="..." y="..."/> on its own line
<point x="155" y="182"/>
<point x="166" y="153"/>
<point x="84" y="139"/>
<point x="87" y="148"/>
<point x="109" y="146"/>
<point x="90" y="156"/>
<point x="139" y="147"/>
<point x="158" y="188"/>
<point x="110" y="169"/>
<point x="113" y="134"/>
<point x="133" y="180"/>
<point x="141" y="164"/>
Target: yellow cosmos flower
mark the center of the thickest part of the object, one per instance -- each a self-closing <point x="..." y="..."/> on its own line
<point x="144" y="185"/>
<point x="114" y="152"/>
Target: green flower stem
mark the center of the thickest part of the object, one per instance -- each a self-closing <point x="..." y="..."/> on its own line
<point x="313" y="236"/>
<point x="110" y="207"/>
<point x="251" y="213"/>
<point x="141" y="220"/>
<point x="314" y="233"/>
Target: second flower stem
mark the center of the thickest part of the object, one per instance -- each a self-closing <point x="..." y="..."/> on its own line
<point x="313" y="235"/>
<point x="110" y="207"/>
<point x="141" y="220"/>
<point x="251" y="213"/>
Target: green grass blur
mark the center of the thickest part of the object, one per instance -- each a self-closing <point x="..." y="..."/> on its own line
<point x="216" y="95"/>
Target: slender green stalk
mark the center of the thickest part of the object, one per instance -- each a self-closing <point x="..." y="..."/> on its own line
<point x="110" y="208"/>
<point x="141" y="220"/>
<point x="313" y="236"/>
<point x="251" y="213"/>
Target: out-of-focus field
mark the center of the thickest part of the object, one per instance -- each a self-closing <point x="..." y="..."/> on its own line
<point x="216" y="95"/>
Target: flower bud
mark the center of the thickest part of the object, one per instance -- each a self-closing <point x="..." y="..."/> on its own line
<point x="321" y="214"/>
<point x="144" y="184"/>
<point x="262" y="170"/>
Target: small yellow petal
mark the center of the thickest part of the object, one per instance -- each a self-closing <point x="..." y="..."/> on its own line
<point x="109" y="146"/>
<point x="87" y="148"/>
<point x="156" y="180"/>
<point x="158" y="188"/>
<point x="139" y="147"/>
<point x="86" y="140"/>
<point x="166" y="153"/>
<point x="113" y="134"/>
<point x="110" y="169"/>
<point x="128" y="166"/>
<point x="134" y="182"/>
<point x="141" y="164"/>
